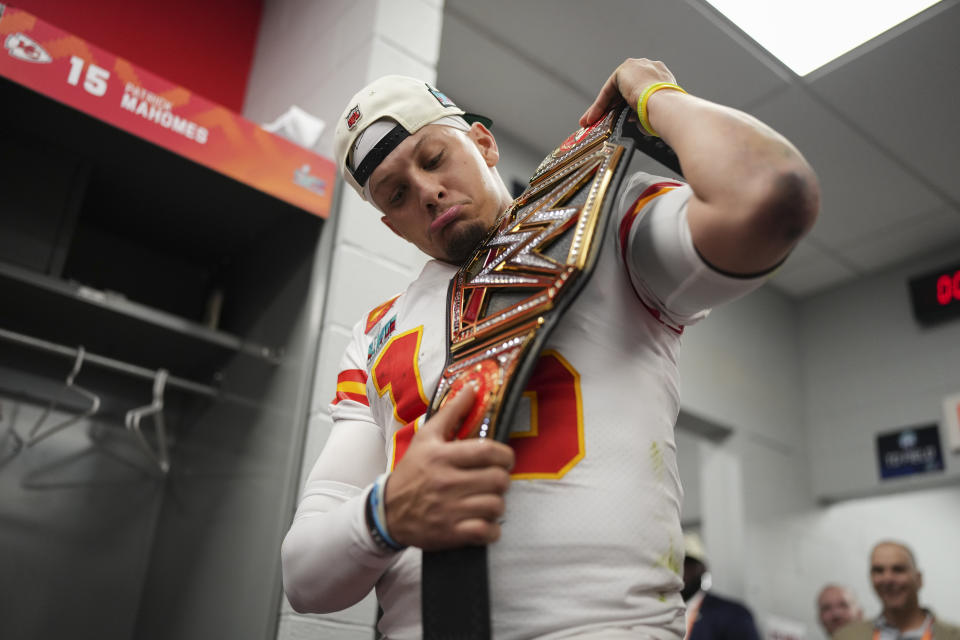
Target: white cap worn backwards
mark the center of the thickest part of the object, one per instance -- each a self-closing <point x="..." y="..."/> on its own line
<point x="380" y="116"/>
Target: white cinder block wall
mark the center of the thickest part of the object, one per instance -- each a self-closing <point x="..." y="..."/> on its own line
<point x="315" y="55"/>
<point x="803" y="387"/>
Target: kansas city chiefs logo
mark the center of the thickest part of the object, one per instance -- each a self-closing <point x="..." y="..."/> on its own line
<point x="22" y="47"/>
<point x="353" y="117"/>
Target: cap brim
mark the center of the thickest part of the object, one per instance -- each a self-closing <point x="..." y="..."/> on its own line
<point x="474" y="117"/>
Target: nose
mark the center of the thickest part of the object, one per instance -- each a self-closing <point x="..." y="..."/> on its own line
<point x="430" y="193"/>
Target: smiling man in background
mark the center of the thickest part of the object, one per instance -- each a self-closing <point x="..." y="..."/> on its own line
<point x="897" y="582"/>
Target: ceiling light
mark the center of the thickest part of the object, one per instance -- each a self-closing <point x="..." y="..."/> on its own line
<point x="807" y="35"/>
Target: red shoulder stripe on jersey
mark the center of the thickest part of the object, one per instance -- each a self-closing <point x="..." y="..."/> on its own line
<point x="352" y="375"/>
<point x="349" y="395"/>
<point x="653" y="191"/>
<point x="659" y="317"/>
<point x="378" y="312"/>
<point x="352" y="385"/>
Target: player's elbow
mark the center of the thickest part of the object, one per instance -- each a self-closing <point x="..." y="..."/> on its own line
<point x="303" y="595"/>
<point x="297" y="602"/>
<point x="300" y="589"/>
<point x="325" y="599"/>
<point x="787" y="205"/>
<point x="309" y="600"/>
<point x="302" y="603"/>
<point x="292" y="580"/>
<point x="310" y="583"/>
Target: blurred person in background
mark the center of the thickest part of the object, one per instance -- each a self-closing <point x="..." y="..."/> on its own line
<point x="897" y="582"/>
<point x="710" y="617"/>
<point x="837" y="607"/>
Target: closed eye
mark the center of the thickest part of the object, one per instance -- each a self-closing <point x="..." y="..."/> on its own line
<point x="397" y="196"/>
<point x="434" y="162"/>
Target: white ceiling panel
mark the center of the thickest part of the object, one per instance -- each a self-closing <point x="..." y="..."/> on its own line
<point x="811" y="270"/>
<point x="807" y="251"/>
<point x="930" y="232"/>
<point x="580" y="44"/>
<point x="531" y="106"/>
<point x="862" y="190"/>
<point x="906" y="94"/>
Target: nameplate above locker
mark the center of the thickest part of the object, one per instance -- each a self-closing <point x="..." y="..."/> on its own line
<point x="76" y="73"/>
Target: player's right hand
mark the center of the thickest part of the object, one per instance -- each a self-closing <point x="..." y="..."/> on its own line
<point x="447" y="493"/>
<point x="627" y="82"/>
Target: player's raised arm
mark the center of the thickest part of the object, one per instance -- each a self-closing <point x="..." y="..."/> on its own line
<point x="754" y="195"/>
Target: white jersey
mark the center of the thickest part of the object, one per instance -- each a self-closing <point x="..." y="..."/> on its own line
<point x="591" y="538"/>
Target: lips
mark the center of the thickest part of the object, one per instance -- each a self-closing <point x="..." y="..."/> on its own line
<point x="891" y="593"/>
<point x="445" y="219"/>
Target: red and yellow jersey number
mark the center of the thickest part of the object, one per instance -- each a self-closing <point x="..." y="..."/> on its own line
<point x="553" y="444"/>
<point x="396" y="371"/>
<point x="549" y="448"/>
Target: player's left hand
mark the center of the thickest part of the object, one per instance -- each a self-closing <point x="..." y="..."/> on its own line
<point x="447" y="493"/>
<point x="627" y="82"/>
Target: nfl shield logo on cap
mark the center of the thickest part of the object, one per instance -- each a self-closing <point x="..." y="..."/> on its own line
<point x="353" y="117"/>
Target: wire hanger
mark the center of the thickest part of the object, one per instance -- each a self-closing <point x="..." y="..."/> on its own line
<point x="36" y="435"/>
<point x="154" y="409"/>
<point x="10" y="442"/>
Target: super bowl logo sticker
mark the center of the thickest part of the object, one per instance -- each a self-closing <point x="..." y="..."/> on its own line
<point x="353" y="117"/>
<point x="381" y="338"/>
<point x="305" y="179"/>
<point x="22" y="47"/>
<point x="441" y="97"/>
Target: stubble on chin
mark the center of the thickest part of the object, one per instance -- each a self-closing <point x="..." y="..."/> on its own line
<point x="463" y="241"/>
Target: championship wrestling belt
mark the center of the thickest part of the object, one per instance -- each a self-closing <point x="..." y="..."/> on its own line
<point x="501" y="306"/>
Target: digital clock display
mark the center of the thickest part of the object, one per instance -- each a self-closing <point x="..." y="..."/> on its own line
<point x="936" y="295"/>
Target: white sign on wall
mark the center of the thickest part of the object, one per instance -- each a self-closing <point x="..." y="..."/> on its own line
<point x="951" y="421"/>
<point x="778" y="628"/>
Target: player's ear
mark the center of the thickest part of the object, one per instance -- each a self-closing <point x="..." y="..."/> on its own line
<point x="390" y="226"/>
<point x="485" y="141"/>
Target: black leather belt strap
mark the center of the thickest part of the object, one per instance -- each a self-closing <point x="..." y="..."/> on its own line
<point x="456" y="596"/>
<point x="503" y="303"/>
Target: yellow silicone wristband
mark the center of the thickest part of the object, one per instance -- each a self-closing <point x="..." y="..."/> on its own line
<point x="642" y="103"/>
